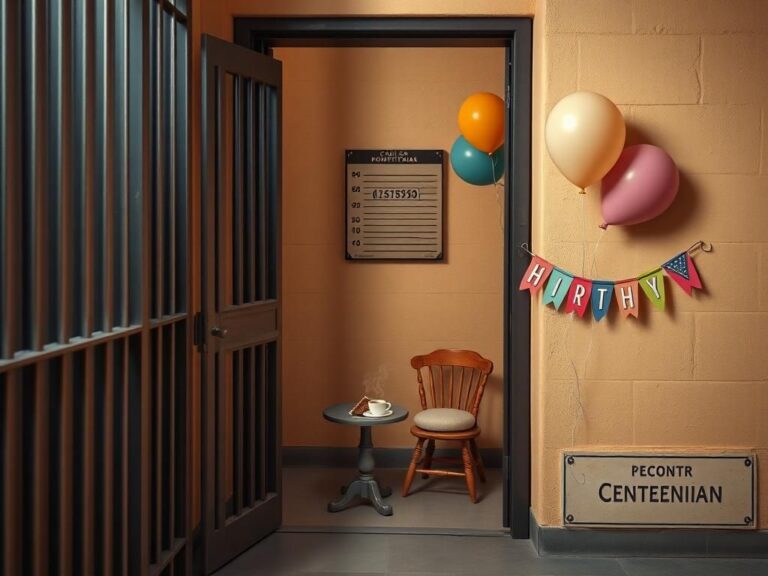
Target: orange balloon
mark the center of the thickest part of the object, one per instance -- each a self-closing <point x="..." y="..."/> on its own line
<point x="481" y="121"/>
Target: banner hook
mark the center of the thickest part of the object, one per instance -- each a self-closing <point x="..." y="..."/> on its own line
<point x="700" y="245"/>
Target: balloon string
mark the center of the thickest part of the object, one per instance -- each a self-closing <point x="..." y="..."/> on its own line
<point x="498" y="197"/>
<point x="583" y="238"/>
<point x="581" y="415"/>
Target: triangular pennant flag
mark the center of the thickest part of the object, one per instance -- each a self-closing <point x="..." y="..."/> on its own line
<point x="578" y="296"/>
<point x="694" y="274"/>
<point x="653" y="286"/>
<point x="683" y="272"/>
<point x="627" y="298"/>
<point x="678" y="265"/>
<point x="602" y="294"/>
<point x="557" y="288"/>
<point x="536" y="275"/>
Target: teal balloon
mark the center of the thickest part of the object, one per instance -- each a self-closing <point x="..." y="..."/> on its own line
<point x="475" y="166"/>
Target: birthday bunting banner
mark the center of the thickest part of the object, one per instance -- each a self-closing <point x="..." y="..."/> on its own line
<point x="559" y="286"/>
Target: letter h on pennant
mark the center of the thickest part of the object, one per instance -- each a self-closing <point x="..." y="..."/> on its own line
<point x="627" y="298"/>
<point x="536" y="275"/>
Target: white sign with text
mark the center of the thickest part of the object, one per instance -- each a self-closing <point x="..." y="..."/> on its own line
<point x="659" y="490"/>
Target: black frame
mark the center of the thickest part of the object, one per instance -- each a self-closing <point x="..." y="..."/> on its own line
<point x="422" y="157"/>
<point x="515" y="34"/>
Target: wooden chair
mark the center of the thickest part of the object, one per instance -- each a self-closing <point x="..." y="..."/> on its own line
<point x="455" y="383"/>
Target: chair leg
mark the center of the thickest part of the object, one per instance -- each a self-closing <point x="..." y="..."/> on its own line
<point x="428" y="456"/>
<point x="469" y="465"/>
<point x="412" y="468"/>
<point x="478" y="460"/>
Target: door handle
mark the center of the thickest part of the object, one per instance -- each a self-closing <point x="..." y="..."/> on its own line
<point x="218" y="332"/>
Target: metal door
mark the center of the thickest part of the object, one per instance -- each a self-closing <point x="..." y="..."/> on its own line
<point x="239" y="329"/>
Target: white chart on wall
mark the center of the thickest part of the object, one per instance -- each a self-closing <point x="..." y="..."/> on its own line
<point x="394" y="204"/>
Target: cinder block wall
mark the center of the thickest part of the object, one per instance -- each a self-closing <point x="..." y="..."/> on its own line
<point x="689" y="76"/>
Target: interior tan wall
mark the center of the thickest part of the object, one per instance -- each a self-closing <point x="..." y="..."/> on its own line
<point x="689" y="77"/>
<point x="351" y="327"/>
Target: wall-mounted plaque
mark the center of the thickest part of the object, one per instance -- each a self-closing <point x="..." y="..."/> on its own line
<point x="659" y="490"/>
<point x="394" y="204"/>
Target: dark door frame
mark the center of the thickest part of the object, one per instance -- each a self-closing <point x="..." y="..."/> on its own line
<point x="514" y="34"/>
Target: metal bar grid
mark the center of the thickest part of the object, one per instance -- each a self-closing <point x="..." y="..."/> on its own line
<point x="261" y="194"/>
<point x="158" y="128"/>
<point x="75" y="325"/>
<point x="169" y="90"/>
<point x="120" y="252"/>
<point x="104" y="194"/>
<point x="251" y="158"/>
<point x="10" y="207"/>
<point x="236" y="229"/>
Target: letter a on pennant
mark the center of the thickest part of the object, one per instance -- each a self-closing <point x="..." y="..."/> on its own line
<point x="653" y="286"/>
<point x="627" y="298"/>
<point x="557" y="288"/>
<point x="536" y="275"/>
<point x="578" y="296"/>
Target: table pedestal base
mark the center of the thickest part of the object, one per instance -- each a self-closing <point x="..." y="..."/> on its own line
<point x="366" y="486"/>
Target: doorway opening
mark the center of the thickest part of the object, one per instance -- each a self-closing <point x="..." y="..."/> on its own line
<point x="350" y="37"/>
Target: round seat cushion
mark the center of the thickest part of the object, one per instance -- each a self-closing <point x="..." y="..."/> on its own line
<point x="444" y="420"/>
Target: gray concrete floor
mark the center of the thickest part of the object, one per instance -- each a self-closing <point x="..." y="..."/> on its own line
<point x="359" y="541"/>
<point x="284" y="554"/>
<point x="439" y="503"/>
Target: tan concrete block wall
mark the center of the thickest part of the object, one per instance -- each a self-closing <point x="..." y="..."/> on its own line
<point x="700" y="16"/>
<point x="732" y="72"/>
<point x="636" y="69"/>
<point x="589" y="16"/>
<point x="763" y="279"/>
<point x="689" y="76"/>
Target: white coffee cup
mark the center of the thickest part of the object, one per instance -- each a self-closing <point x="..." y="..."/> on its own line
<point x="378" y="407"/>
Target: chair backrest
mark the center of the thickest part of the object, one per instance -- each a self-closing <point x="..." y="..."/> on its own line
<point x="455" y="379"/>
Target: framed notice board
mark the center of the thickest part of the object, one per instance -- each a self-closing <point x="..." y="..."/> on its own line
<point x="394" y="204"/>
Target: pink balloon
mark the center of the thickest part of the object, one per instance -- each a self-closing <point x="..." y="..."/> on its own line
<point x="639" y="187"/>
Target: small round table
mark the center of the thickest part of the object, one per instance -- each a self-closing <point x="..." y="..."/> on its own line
<point x="366" y="486"/>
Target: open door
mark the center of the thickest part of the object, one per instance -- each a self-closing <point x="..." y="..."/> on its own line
<point x="239" y="328"/>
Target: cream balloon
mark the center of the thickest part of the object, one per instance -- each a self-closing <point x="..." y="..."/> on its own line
<point x="585" y="134"/>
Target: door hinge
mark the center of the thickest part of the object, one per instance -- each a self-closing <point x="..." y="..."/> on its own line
<point x="199" y="331"/>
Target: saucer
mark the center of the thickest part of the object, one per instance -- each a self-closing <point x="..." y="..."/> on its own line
<point x="368" y="414"/>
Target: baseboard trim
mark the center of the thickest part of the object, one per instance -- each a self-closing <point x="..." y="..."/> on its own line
<point x="555" y="541"/>
<point x="334" y="457"/>
<point x="386" y="530"/>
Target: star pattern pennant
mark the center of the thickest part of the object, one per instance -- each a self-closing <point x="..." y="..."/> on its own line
<point x="678" y="265"/>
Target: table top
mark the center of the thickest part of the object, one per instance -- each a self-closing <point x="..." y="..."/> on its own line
<point x="339" y="413"/>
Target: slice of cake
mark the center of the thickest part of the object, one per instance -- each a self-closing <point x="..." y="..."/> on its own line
<point x="359" y="408"/>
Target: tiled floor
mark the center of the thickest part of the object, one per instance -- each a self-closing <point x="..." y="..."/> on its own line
<point x="284" y="554"/>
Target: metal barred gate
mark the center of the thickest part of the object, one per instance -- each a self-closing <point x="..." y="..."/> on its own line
<point x="239" y="329"/>
<point x="94" y="251"/>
